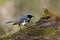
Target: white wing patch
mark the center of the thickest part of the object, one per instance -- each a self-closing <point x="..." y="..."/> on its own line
<point x="24" y="22"/>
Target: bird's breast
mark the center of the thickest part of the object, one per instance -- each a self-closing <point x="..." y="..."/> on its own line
<point x="24" y="23"/>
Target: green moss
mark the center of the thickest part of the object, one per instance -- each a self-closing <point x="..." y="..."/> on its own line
<point x="36" y="32"/>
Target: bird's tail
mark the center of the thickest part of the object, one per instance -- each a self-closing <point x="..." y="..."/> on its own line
<point x="9" y="22"/>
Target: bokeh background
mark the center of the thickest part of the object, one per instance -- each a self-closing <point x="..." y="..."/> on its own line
<point x="11" y="9"/>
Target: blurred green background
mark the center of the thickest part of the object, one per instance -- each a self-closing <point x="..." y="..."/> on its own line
<point x="10" y="9"/>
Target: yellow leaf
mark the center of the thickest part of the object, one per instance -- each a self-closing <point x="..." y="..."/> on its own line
<point x="48" y="13"/>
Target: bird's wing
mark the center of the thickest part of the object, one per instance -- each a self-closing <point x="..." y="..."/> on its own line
<point x="18" y="20"/>
<point x="21" y="19"/>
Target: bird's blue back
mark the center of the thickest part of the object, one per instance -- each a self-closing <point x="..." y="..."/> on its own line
<point x="21" y="19"/>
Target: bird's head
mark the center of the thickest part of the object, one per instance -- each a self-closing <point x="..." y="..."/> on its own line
<point x="30" y="16"/>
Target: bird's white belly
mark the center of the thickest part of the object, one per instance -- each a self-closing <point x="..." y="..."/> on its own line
<point x="24" y="22"/>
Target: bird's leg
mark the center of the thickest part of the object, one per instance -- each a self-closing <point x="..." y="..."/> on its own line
<point x="20" y="26"/>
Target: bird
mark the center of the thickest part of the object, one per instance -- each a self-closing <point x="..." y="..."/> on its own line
<point x="22" y="20"/>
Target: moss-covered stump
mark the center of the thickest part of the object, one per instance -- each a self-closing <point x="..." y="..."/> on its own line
<point x="30" y="34"/>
